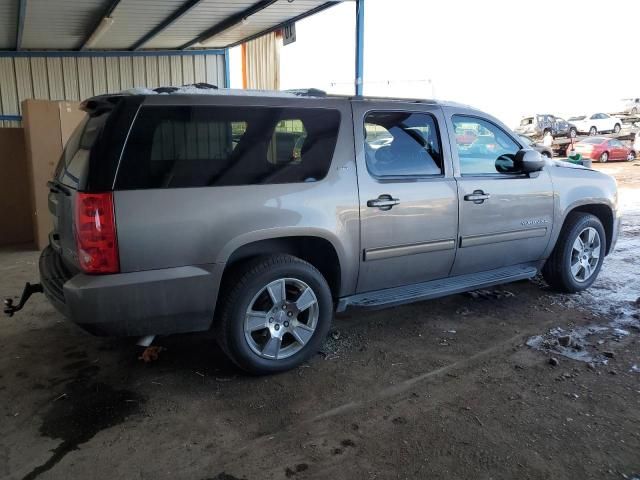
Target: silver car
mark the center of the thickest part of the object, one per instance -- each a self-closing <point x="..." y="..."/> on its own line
<point x="260" y="215"/>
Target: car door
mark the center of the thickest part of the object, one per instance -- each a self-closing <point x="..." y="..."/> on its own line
<point x="408" y="196"/>
<point x="617" y="150"/>
<point x="505" y="218"/>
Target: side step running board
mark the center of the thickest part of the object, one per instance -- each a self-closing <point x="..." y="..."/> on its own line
<point x="436" y="288"/>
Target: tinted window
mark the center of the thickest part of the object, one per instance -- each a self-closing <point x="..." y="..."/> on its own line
<point x="174" y="147"/>
<point x="478" y="153"/>
<point x="402" y="144"/>
<point x="74" y="163"/>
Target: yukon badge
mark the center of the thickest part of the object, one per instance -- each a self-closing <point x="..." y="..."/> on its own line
<point x="535" y="221"/>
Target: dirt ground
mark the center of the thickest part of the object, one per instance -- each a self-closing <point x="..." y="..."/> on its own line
<point x="440" y="389"/>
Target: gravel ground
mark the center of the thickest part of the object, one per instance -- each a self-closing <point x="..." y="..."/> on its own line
<point x="439" y="389"/>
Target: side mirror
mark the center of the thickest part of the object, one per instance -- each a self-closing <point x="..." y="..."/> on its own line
<point x="524" y="161"/>
<point x="529" y="161"/>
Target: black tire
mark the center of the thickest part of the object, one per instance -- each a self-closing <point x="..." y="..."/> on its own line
<point x="604" y="158"/>
<point x="573" y="133"/>
<point x="617" y="128"/>
<point x="243" y="284"/>
<point x="593" y="131"/>
<point x="632" y="156"/>
<point x="557" y="269"/>
<point x="634" y="111"/>
<point x="545" y="154"/>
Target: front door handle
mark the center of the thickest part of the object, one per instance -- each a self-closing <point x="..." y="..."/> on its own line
<point x="383" y="202"/>
<point x="477" y="197"/>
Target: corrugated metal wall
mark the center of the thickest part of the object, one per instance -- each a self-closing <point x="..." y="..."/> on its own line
<point x="80" y="77"/>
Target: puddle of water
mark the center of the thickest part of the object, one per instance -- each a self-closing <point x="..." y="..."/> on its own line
<point x="85" y="410"/>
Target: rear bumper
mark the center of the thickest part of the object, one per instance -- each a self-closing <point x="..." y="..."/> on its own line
<point x="155" y="302"/>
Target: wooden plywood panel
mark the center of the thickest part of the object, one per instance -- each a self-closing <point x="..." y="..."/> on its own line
<point x="15" y="204"/>
<point x="41" y="121"/>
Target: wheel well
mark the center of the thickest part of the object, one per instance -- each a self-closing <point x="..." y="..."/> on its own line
<point x="319" y="252"/>
<point x="604" y="214"/>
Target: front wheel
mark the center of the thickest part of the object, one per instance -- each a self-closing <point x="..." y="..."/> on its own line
<point x="275" y="314"/>
<point x="577" y="257"/>
<point x="593" y="131"/>
<point x="631" y="156"/>
<point x="573" y="133"/>
<point x="616" y="128"/>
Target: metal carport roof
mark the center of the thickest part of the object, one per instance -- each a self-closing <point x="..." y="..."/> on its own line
<point x="144" y="24"/>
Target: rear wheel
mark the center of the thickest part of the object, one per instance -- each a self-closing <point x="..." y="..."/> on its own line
<point x="634" y="111"/>
<point x="593" y="131"/>
<point x="616" y="128"/>
<point x="573" y="133"/>
<point x="604" y="158"/>
<point x="275" y="315"/>
<point x="577" y="257"/>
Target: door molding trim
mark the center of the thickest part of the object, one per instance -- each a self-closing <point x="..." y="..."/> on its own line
<point x="413" y="249"/>
<point x="485" y="239"/>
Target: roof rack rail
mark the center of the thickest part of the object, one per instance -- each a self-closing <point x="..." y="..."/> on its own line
<point x="307" y="92"/>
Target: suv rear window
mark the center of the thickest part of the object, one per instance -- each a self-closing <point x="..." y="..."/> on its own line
<point x="176" y="147"/>
<point x="74" y="163"/>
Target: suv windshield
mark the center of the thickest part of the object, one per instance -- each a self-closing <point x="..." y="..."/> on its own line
<point x="73" y="164"/>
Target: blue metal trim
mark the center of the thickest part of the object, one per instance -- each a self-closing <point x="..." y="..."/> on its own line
<point x="227" y="70"/>
<point x="22" y="10"/>
<point x="11" y="118"/>
<point x="184" y="8"/>
<point x="359" y="46"/>
<point x="108" y="53"/>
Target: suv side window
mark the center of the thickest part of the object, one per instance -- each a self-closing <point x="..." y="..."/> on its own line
<point x="402" y="144"/>
<point x="490" y="142"/>
<point x="200" y="146"/>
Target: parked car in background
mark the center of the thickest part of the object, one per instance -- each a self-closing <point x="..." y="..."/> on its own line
<point x="539" y="125"/>
<point x="543" y="149"/>
<point x="631" y="105"/>
<point x="596" y="123"/>
<point x="605" y="149"/>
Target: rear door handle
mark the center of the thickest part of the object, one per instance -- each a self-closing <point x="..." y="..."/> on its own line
<point x="383" y="202"/>
<point x="477" y="197"/>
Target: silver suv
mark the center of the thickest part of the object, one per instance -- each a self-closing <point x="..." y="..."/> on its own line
<point x="260" y="215"/>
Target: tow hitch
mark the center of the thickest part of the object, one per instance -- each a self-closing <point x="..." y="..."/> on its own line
<point x="29" y="289"/>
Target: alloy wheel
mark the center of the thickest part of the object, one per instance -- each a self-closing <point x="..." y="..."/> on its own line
<point x="585" y="254"/>
<point x="281" y="318"/>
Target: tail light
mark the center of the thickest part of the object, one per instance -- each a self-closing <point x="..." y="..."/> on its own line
<point x="96" y="236"/>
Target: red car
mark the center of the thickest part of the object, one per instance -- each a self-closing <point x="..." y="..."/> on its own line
<point x="604" y="149"/>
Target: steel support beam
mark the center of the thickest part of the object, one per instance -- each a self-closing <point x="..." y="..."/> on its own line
<point x="107" y="13"/>
<point x="165" y="23"/>
<point x="22" y="13"/>
<point x="359" y="46"/>
<point x="227" y="70"/>
<point x="229" y="22"/>
<point x="280" y="26"/>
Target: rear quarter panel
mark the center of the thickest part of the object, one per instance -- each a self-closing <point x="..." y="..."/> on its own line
<point x="163" y="228"/>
